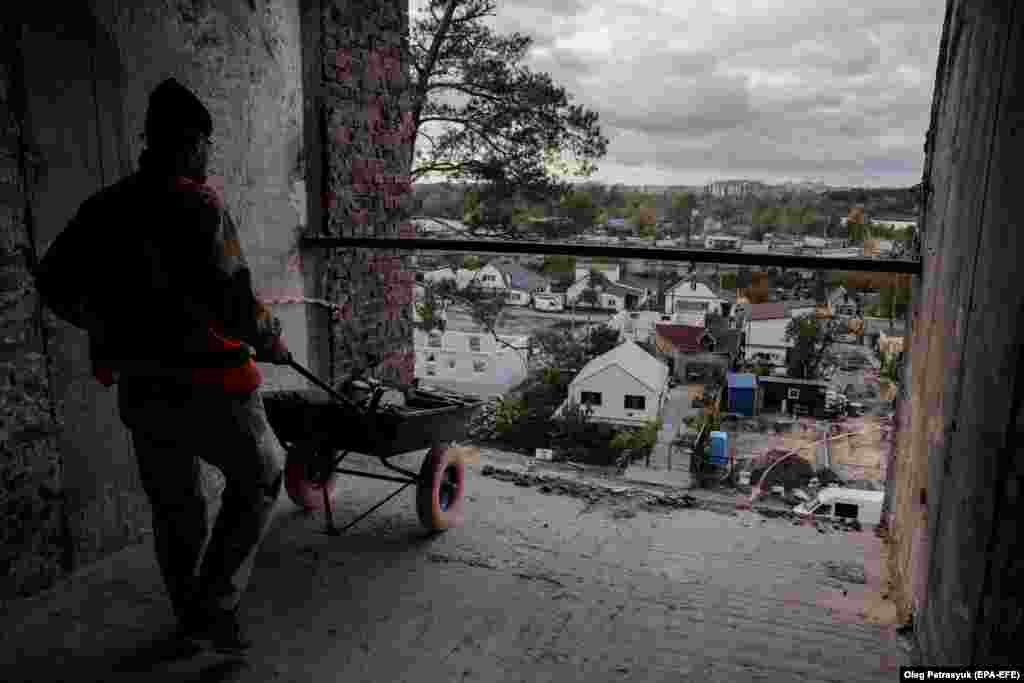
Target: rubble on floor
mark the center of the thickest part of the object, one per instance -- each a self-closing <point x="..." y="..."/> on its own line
<point x="846" y="571"/>
<point x="592" y="493"/>
<point x="483" y="423"/>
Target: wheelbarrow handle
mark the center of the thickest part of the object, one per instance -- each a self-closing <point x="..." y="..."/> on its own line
<point x="323" y="385"/>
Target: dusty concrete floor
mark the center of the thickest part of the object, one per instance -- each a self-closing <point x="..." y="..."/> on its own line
<point x="535" y="587"/>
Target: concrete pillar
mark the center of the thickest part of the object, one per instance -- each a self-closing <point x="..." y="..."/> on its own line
<point x="362" y="105"/>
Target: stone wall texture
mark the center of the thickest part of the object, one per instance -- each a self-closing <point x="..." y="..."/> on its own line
<point x="364" y="110"/>
<point x="32" y="532"/>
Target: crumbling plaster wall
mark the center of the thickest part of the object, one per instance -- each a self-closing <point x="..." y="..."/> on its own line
<point x="957" y="506"/>
<point x="71" y="492"/>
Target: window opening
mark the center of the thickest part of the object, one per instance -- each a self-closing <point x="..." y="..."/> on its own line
<point x="633" y="402"/>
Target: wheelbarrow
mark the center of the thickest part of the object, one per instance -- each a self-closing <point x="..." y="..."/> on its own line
<point x="320" y="429"/>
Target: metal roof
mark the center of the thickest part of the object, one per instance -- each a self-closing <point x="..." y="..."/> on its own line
<point x="634" y="360"/>
<point x="520" y="278"/>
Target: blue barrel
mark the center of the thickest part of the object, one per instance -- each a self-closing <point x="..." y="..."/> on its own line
<point x="719" y="448"/>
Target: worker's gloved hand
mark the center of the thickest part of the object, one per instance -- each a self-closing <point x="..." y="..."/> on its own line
<point x="279" y="353"/>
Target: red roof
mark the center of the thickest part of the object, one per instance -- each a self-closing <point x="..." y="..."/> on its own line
<point x="686" y="338"/>
<point x="773" y="311"/>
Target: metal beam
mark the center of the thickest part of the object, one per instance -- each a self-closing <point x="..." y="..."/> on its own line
<point x="619" y="252"/>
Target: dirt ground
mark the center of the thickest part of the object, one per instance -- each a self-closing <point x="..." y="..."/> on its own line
<point x="861" y="457"/>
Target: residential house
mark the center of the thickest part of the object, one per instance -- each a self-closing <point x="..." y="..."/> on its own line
<point x="693" y="294"/>
<point x="486" y="278"/>
<point x="637" y="326"/>
<point x="475" y="363"/>
<point x="766" y="329"/>
<point x="698" y="353"/>
<point x="723" y="242"/>
<point x="438" y="276"/>
<point x="520" y="283"/>
<point x="612" y="295"/>
<point x="625" y="386"/>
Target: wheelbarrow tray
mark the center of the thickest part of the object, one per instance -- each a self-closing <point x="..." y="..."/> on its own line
<point x="427" y="419"/>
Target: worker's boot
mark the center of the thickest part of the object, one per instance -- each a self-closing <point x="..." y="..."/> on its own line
<point x="223" y="631"/>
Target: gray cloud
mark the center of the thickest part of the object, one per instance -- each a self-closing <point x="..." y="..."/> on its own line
<point x="787" y="88"/>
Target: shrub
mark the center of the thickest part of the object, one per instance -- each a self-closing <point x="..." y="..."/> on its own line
<point x="508" y="415"/>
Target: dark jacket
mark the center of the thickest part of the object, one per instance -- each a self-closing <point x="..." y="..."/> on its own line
<point x="152" y="267"/>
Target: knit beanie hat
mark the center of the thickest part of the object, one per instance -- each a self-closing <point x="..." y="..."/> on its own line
<point x="173" y="109"/>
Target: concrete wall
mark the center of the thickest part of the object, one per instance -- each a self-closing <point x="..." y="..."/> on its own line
<point x="33" y="548"/>
<point x="71" y="492"/>
<point x="957" y="506"/>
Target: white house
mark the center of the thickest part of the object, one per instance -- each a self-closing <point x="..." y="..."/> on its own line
<point x="625" y="386"/>
<point x="488" y="277"/>
<point x="521" y="284"/>
<point x="766" y="329"/>
<point x="472" y="362"/>
<point x="637" y="325"/>
<point x="440" y="275"/>
<point x="691" y="294"/>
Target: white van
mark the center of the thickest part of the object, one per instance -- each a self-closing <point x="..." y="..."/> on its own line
<point x="842" y="504"/>
<point x="548" y="302"/>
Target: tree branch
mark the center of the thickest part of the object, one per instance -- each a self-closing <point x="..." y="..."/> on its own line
<point x="428" y="68"/>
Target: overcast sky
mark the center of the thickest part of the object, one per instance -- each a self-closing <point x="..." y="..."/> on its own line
<point x="695" y="90"/>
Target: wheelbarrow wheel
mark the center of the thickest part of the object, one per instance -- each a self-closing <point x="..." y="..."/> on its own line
<point x="439" y="493"/>
<point x="302" y="487"/>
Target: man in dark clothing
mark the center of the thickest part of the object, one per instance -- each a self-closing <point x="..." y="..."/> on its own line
<point x="152" y="268"/>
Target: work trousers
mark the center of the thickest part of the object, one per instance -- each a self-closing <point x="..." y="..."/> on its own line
<point x="171" y="429"/>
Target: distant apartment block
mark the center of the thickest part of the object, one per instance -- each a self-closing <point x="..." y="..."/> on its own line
<point x="735" y="188"/>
